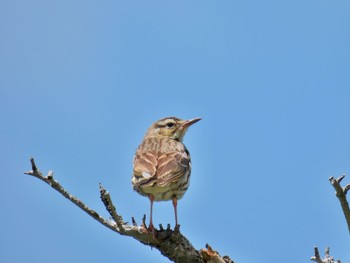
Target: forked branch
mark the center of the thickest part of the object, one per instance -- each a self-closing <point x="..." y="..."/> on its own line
<point x="327" y="258"/>
<point x="171" y="243"/>
<point x="341" y="194"/>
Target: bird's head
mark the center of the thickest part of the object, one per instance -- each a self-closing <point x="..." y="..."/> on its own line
<point x="171" y="127"/>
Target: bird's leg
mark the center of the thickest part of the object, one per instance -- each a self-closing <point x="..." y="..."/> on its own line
<point x="151" y="227"/>
<point x="175" y="210"/>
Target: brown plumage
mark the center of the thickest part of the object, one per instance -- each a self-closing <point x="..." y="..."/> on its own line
<point x="162" y="164"/>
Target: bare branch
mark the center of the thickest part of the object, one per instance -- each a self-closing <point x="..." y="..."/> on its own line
<point x="107" y="201"/>
<point x="327" y="257"/>
<point x="55" y="185"/>
<point x="171" y="243"/>
<point x="341" y="194"/>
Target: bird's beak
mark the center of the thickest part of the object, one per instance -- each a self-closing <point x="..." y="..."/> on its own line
<point x="188" y="123"/>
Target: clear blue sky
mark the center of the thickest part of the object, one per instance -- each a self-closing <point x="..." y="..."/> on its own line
<point x="81" y="81"/>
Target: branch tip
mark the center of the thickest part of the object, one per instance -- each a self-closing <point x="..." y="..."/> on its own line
<point x="102" y="189"/>
<point x="346" y="189"/>
<point x="326" y="251"/>
<point x="107" y="201"/>
<point x="333" y="181"/>
<point x="341" y="178"/>
<point x="133" y="221"/>
<point x="49" y="175"/>
<point x="34" y="168"/>
<point x="143" y="224"/>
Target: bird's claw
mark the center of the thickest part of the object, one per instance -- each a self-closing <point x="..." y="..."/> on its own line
<point x="177" y="228"/>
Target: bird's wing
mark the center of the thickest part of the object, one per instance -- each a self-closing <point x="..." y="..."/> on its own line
<point x="172" y="166"/>
<point x="145" y="167"/>
<point x="162" y="169"/>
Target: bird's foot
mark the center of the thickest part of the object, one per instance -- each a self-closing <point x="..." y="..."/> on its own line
<point x="150" y="227"/>
<point x="177" y="228"/>
<point x="152" y="230"/>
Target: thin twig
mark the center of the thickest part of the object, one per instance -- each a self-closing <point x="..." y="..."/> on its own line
<point x="106" y="199"/>
<point x="55" y="185"/>
<point x="316" y="257"/>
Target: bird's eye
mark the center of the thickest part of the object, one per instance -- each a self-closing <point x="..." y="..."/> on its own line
<point x="170" y="124"/>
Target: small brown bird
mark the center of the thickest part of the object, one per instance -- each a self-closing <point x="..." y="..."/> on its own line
<point x="162" y="164"/>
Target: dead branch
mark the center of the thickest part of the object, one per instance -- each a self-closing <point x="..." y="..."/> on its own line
<point x="327" y="257"/>
<point x="171" y="243"/>
<point x="341" y="194"/>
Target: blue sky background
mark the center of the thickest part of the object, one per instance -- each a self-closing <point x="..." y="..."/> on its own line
<point x="81" y="81"/>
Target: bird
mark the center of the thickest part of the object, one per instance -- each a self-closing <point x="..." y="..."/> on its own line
<point x="162" y="163"/>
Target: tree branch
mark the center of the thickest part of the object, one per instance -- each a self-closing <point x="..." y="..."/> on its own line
<point x="341" y="194"/>
<point x="327" y="257"/>
<point x="171" y="243"/>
